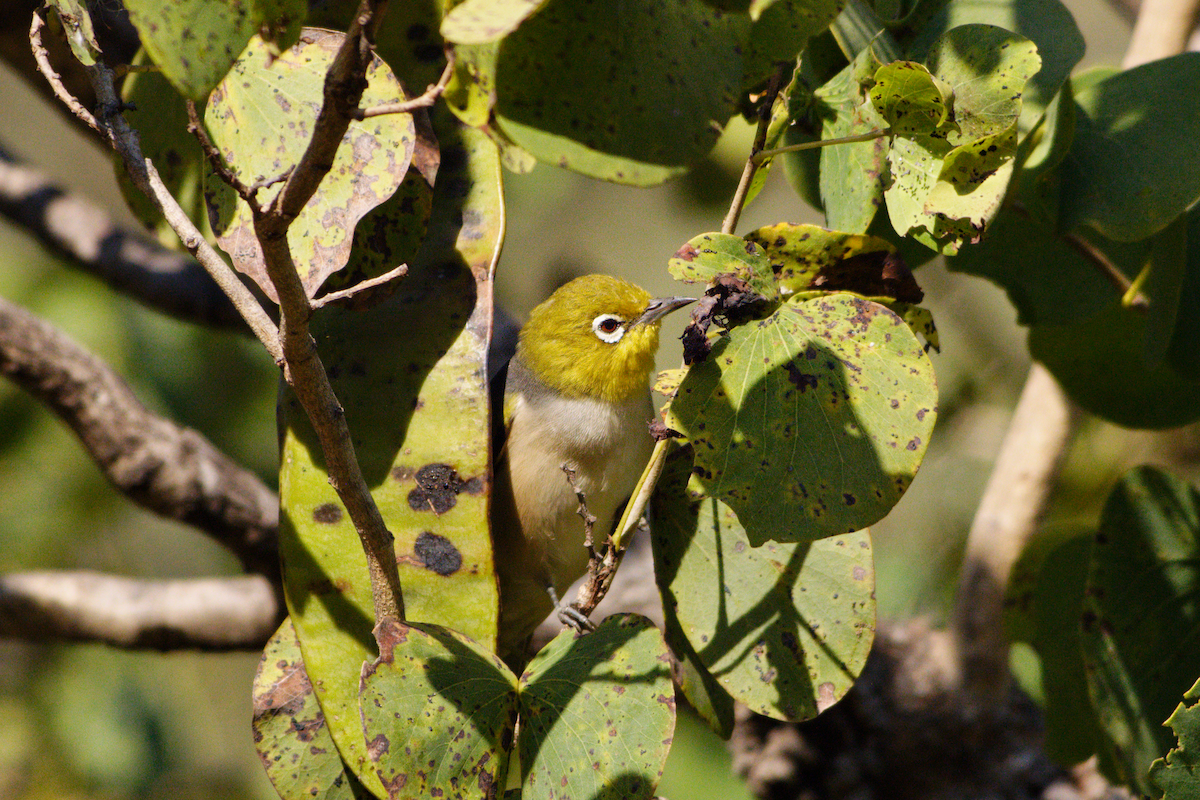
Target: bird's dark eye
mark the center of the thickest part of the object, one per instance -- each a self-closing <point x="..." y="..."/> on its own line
<point x="608" y="328"/>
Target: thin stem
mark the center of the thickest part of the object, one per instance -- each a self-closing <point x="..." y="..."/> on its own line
<point x="425" y="100"/>
<point x="763" y="155"/>
<point x="765" y="104"/>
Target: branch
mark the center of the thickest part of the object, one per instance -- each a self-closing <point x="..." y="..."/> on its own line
<point x="215" y="614"/>
<point x="168" y="469"/>
<point x="765" y="104"/>
<point x="303" y="370"/>
<point x="128" y="261"/>
<point x="425" y="100"/>
<point x="1162" y="29"/>
<point x="1009" y="514"/>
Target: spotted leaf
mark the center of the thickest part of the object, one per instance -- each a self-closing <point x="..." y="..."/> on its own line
<point x="811" y="422"/>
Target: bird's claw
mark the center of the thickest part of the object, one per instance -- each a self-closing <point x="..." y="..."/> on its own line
<point x="569" y="614"/>
<point x="572" y="617"/>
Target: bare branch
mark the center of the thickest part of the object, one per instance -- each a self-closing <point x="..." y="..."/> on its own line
<point x="1009" y="513"/>
<point x="1162" y="29"/>
<point x="126" y="260"/>
<point x="215" y="614"/>
<point x="425" y="100"/>
<point x="43" y="62"/>
<point x="171" y="470"/>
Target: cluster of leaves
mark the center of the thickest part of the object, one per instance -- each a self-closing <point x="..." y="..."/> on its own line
<point x="1113" y="614"/>
<point x="809" y="401"/>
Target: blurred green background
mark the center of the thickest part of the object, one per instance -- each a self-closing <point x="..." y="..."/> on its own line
<point x="90" y="722"/>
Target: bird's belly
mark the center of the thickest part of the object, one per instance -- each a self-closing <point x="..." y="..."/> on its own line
<point x="604" y="447"/>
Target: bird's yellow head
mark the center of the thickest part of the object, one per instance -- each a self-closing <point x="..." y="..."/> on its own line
<point x="595" y="338"/>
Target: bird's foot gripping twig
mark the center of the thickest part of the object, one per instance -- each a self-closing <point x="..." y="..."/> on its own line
<point x="569" y="614"/>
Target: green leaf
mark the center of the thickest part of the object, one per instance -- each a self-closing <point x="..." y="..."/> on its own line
<point x="598" y="713"/>
<point x="159" y="115"/>
<point x="948" y="185"/>
<point x="289" y="729"/>
<point x="1141" y="618"/>
<point x="709" y="255"/>
<point x="1130" y="171"/>
<point x="779" y="30"/>
<point x="852" y="175"/>
<point x="77" y="23"/>
<point x="438" y="713"/>
<point x="909" y="98"/>
<point x="1042" y="606"/>
<point x="1100" y="362"/>
<point x="801" y="256"/>
<point x="482" y="21"/>
<point x="261" y="119"/>
<point x="409" y="374"/>
<point x="783" y="628"/>
<point x="1177" y="775"/>
<point x="1048" y="23"/>
<point x="195" y="42"/>
<point x="826" y="406"/>
<point x="632" y="97"/>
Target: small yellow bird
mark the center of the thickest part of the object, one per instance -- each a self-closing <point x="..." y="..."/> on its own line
<point x="577" y="395"/>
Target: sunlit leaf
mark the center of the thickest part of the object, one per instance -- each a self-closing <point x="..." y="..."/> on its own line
<point x="783" y="628"/>
<point x="261" y="119"/>
<point x="195" y="42"/>
<point x="826" y="407"/>
<point x="480" y="21"/>
<point x="598" y="713"/>
<point x="909" y="98"/>
<point x="709" y="255"/>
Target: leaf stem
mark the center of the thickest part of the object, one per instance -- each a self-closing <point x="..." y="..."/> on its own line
<point x="763" y="155"/>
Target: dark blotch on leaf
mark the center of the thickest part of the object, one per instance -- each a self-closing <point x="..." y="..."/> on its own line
<point x="728" y="299"/>
<point x="877" y="274"/>
<point x="327" y="513"/>
<point x="802" y="380"/>
<point x="437" y="553"/>
<point x="437" y="489"/>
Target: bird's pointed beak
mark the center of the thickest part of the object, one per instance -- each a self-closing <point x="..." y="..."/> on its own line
<point x="659" y="307"/>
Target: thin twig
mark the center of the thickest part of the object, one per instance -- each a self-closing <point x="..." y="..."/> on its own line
<point x="43" y="61"/>
<point x="343" y="295"/>
<point x="425" y="100"/>
<point x="217" y="161"/>
<point x="761" y="156"/>
<point x="210" y="614"/>
<point x="765" y="104"/>
<point x="141" y="170"/>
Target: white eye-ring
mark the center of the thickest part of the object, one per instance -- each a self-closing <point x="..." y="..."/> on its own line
<point x="609" y="328"/>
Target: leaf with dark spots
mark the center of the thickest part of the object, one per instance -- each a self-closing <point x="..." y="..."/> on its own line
<point x="437" y="489"/>
<point x="729" y="301"/>
<point x="290" y="733"/>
